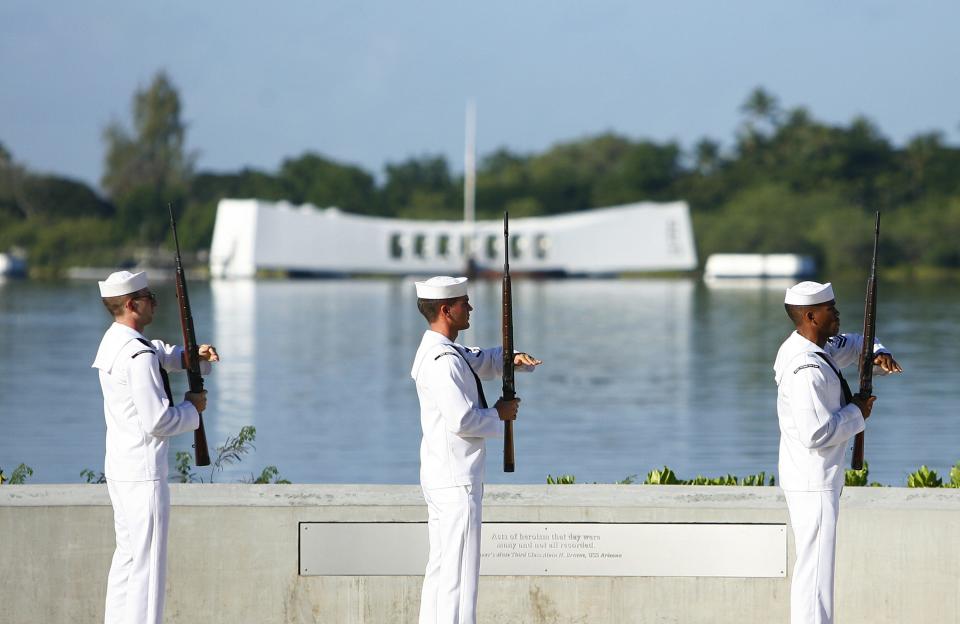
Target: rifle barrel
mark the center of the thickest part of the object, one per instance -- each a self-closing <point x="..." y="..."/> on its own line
<point x="866" y="353"/>
<point x="509" y="385"/>
<point x="190" y="347"/>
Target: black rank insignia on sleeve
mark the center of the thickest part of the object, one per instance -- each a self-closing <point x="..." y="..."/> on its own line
<point x="838" y="341"/>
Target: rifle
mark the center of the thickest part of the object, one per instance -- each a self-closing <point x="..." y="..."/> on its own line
<point x="509" y="388"/>
<point x="866" y="352"/>
<point x="190" y="348"/>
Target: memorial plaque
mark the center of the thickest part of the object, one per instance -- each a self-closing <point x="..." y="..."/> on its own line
<point x="553" y="549"/>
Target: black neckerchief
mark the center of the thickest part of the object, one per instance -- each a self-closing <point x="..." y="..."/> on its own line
<point x="483" y="399"/>
<point x="163" y="373"/>
<point x="847" y="395"/>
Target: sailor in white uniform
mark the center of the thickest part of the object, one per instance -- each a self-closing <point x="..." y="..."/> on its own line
<point x="455" y="421"/>
<point x="818" y="416"/>
<point x="140" y="417"/>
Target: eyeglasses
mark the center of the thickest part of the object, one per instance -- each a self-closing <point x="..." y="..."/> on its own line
<point x="152" y="297"/>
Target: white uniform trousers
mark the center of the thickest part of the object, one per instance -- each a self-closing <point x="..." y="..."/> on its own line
<point x="453" y="569"/>
<point x="135" y="585"/>
<point x="813" y="516"/>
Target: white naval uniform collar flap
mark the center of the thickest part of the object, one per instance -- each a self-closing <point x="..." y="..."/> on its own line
<point x="431" y="340"/>
<point x="113" y="341"/>
<point x="794" y="346"/>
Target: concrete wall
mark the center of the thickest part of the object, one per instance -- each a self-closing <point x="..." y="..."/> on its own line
<point x="234" y="549"/>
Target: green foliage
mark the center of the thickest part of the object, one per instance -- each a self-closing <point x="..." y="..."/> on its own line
<point x="421" y="188"/>
<point x="757" y="479"/>
<point x="270" y="474"/>
<point x="668" y="477"/>
<point x="317" y="180"/>
<point x="924" y="478"/>
<point x="627" y="480"/>
<point x="61" y="243"/>
<point x="661" y="477"/>
<point x="232" y="451"/>
<point x="183" y="468"/>
<point x="701" y="480"/>
<point x="954" y="477"/>
<point x="55" y="197"/>
<point x="143" y="214"/>
<point x="90" y="476"/>
<point x="153" y="156"/>
<point x="18" y="477"/>
<point x="857" y="478"/>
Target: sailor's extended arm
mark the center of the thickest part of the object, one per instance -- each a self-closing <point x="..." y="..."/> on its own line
<point x="486" y="363"/>
<point x="171" y="357"/>
<point x="845" y="350"/>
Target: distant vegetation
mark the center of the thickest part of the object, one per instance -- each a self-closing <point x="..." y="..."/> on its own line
<point x="788" y="183"/>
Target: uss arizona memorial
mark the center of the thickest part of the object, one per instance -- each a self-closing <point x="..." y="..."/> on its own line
<point x="252" y="236"/>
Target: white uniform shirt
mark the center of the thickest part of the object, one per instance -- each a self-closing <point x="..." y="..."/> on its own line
<point x="138" y="413"/>
<point x="815" y="425"/>
<point x="454" y="424"/>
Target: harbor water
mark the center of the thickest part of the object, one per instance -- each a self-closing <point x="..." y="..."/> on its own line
<point x="637" y="374"/>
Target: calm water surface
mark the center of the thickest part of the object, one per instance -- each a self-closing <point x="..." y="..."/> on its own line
<point x="637" y="374"/>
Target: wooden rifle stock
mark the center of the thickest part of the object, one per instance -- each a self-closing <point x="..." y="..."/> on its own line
<point x="509" y="387"/>
<point x="866" y="352"/>
<point x="190" y="349"/>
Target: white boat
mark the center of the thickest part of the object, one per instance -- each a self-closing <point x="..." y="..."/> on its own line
<point x="722" y="267"/>
<point x="252" y="236"/>
<point x="12" y="265"/>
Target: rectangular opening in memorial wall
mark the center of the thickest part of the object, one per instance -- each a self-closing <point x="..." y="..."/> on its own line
<point x="553" y="549"/>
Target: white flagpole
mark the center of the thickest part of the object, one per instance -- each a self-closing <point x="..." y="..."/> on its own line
<point x="469" y="183"/>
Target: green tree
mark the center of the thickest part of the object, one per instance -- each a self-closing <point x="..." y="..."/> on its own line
<point x="245" y="184"/>
<point x="645" y="171"/>
<point x="13" y="201"/>
<point x="762" y="117"/>
<point x="421" y="187"/>
<point x="565" y="177"/>
<point x="707" y="156"/>
<point x="312" y="178"/>
<point x="57" y="197"/>
<point x="154" y="154"/>
<point x="148" y="167"/>
<point x="762" y="107"/>
<point x="503" y="177"/>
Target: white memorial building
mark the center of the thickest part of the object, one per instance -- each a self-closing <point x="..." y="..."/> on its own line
<point x="252" y="236"/>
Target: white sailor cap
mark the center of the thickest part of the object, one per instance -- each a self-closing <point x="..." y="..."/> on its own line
<point x="809" y="293"/>
<point x="442" y="287"/>
<point x="123" y="283"/>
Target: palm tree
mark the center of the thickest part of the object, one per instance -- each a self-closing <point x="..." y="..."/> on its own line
<point x="761" y="106"/>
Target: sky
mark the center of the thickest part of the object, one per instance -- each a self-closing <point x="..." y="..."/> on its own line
<point x="375" y="82"/>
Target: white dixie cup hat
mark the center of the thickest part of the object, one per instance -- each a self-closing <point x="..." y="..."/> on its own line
<point x="123" y="283"/>
<point x="809" y="293"/>
<point x="442" y="287"/>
